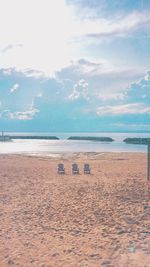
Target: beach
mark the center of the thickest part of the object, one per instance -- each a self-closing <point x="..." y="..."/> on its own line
<point x="52" y="220"/>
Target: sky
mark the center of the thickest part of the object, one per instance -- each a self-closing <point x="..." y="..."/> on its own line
<point x="75" y="65"/>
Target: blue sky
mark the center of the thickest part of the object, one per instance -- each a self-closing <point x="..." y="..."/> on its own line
<point x="75" y="65"/>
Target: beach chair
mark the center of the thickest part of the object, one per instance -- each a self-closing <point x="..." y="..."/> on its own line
<point x="60" y="168"/>
<point x="75" y="168"/>
<point x="87" y="169"/>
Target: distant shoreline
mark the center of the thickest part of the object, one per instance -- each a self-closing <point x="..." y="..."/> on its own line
<point x="128" y="140"/>
<point x="91" y="138"/>
<point x="34" y="137"/>
<point x="137" y="141"/>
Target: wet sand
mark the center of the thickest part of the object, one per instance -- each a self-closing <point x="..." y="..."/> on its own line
<point x="51" y="220"/>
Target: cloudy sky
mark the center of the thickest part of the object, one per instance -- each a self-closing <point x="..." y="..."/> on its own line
<point x="75" y="65"/>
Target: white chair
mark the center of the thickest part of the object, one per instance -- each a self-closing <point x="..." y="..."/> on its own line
<point x="87" y="169"/>
<point x="60" y="168"/>
<point x="75" y="168"/>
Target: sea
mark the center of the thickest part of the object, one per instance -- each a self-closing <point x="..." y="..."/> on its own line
<point x="56" y="147"/>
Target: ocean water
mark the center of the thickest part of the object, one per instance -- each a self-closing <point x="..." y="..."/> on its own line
<point x="55" y="147"/>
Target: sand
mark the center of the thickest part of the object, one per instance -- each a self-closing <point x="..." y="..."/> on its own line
<point x="51" y="220"/>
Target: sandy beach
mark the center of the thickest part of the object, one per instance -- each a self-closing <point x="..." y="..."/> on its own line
<point x="52" y="220"/>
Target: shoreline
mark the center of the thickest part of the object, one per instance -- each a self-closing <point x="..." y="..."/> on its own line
<point x="69" y="154"/>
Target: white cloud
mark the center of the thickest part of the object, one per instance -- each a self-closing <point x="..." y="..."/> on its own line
<point x="133" y="108"/>
<point x="90" y="67"/>
<point x="41" y="35"/>
<point x="118" y="26"/>
<point x="39" y="94"/>
<point x="114" y="96"/>
<point x="22" y="115"/>
<point x="147" y="76"/>
<point x="140" y="89"/>
<point x="7" y="72"/>
<point x="43" y="29"/>
<point x="36" y="74"/>
<point x="105" y="81"/>
<point x="82" y="95"/>
<point x="9" y="47"/>
<point x="14" y="88"/>
<point x="80" y="90"/>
